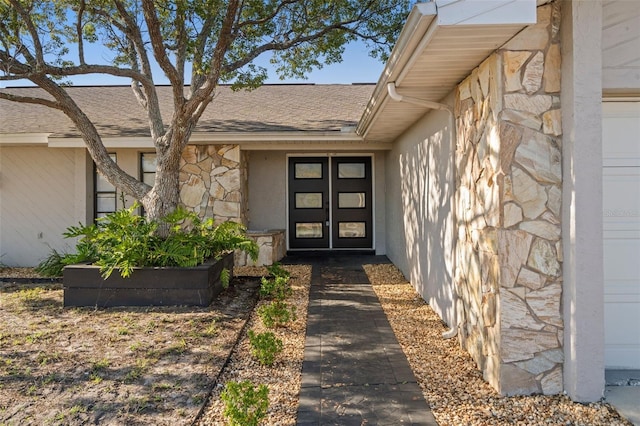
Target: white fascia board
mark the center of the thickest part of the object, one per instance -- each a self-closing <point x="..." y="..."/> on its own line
<point x="24" y="139"/>
<point x="418" y="22"/>
<point x="314" y="146"/>
<point x="219" y="138"/>
<point x="486" y="12"/>
<point x="292" y="136"/>
<point x="422" y="27"/>
<point x="109" y="143"/>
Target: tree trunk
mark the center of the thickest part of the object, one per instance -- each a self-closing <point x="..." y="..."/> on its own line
<point x="164" y="197"/>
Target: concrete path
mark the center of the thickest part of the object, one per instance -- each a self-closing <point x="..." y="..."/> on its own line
<point x="354" y="371"/>
<point x="623" y="392"/>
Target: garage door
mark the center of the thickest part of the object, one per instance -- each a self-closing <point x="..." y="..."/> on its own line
<point x="621" y="225"/>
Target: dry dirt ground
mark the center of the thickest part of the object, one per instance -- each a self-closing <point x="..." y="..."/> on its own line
<point x="133" y="366"/>
<point x="139" y="366"/>
<point x="158" y="366"/>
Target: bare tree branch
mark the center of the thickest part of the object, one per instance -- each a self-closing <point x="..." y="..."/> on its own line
<point x="37" y="44"/>
<point x="204" y="94"/>
<point x="79" y="32"/>
<point x="155" y="34"/>
<point x="30" y="100"/>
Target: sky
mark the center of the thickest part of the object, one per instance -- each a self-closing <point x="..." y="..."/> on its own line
<point x="357" y="67"/>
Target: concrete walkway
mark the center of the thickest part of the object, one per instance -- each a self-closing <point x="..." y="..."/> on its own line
<point x="623" y="392"/>
<point x="354" y="370"/>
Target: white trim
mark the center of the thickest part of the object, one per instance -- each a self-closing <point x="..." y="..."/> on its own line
<point x="109" y="143"/>
<point x="620" y="98"/>
<point x="333" y="141"/>
<point x="24" y="139"/>
<point x="303" y="146"/>
<point x="423" y="30"/>
<point x="285" y="136"/>
<point x="486" y="12"/>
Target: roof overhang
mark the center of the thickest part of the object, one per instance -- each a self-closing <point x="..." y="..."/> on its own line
<point x="298" y="140"/>
<point x="439" y="46"/>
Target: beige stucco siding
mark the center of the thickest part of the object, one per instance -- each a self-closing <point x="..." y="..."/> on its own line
<point x="39" y="199"/>
<point x="379" y="192"/>
<point x="267" y="190"/>
<point x="621" y="47"/>
<point x="419" y="234"/>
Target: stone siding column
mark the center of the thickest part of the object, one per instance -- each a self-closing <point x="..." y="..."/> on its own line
<point x="213" y="182"/>
<point x="509" y="194"/>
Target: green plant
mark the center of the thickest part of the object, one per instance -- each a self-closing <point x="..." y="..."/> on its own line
<point x="276" y="314"/>
<point x="245" y="405"/>
<point x="265" y="346"/>
<point x="225" y="278"/>
<point x="123" y="240"/>
<point x="276" y="288"/>
<point x="276" y="270"/>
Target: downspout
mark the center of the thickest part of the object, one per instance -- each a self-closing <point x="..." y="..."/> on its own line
<point x="393" y="94"/>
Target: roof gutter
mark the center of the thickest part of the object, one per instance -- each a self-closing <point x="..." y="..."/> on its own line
<point x="393" y="94"/>
<point x="414" y="38"/>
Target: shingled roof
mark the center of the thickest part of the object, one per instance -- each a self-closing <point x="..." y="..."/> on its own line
<point x="270" y="108"/>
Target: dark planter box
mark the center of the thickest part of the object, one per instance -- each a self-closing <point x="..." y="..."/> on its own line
<point x="196" y="286"/>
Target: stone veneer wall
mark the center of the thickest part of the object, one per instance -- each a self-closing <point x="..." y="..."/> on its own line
<point x="271" y="244"/>
<point x="508" y="201"/>
<point x="213" y="182"/>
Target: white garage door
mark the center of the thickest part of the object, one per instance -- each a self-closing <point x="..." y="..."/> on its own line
<point x="621" y="223"/>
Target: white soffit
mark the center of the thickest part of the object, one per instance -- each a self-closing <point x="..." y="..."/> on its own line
<point x="24" y="139"/>
<point x="248" y="140"/>
<point x="439" y="46"/>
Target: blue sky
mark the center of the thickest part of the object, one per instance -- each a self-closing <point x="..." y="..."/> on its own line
<point x="357" y="67"/>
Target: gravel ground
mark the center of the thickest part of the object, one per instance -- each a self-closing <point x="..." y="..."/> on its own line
<point x="283" y="378"/>
<point x="449" y="378"/>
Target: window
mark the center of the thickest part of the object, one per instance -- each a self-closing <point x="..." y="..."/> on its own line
<point x="308" y="171"/>
<point x="106" y="196"/>
<point x="147" y="170"/>
<point x="351" y="171"/>
<point x="148" y="167"/>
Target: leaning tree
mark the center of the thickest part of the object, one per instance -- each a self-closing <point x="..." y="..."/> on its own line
<point x="199" y="43"/>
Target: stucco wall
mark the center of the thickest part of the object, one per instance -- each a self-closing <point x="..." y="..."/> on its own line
<point x="40" y="196"/>
<point x="380" y="194"/>
<point x="583" y="276"/>
<point x="419" y="225"/>
<point x="621" y="47"/>
<point x="267" y="190"/>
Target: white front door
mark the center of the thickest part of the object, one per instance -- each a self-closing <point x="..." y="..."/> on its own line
<point x="621" y="226"/>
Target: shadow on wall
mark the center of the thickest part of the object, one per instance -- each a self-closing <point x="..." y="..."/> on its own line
<point x="427" y="188"/>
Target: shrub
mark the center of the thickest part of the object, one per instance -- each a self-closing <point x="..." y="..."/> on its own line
<point x="276" y="288"/>
<point x="244" y="404"/>
<point x="276" y="314"/>
<point x="276" y="270"/>
<point x="265" y="346"/>
<point x="123" y="240"/>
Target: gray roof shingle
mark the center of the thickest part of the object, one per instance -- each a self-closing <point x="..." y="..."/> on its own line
<point x="115" y="111"/>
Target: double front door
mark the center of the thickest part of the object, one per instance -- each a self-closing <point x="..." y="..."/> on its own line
<point x="330" y="203"/>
